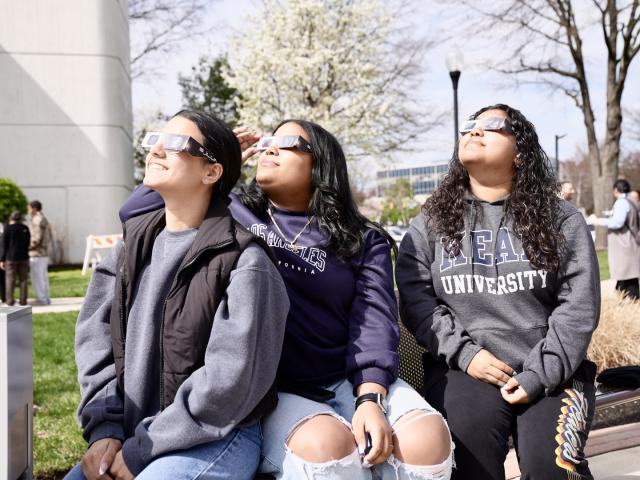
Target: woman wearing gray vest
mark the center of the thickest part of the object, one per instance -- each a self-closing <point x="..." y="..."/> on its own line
<point x="180" y="334"/>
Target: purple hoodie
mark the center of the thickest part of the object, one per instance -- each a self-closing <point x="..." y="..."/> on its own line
<point x="343" y="316"/>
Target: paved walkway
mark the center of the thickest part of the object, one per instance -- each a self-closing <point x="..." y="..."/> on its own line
<point x="68" y="304"/>
<point x="619" y="465"/>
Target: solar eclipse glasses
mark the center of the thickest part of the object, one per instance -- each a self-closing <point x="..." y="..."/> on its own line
<point x="493" y="124"/>
<point x="286" y="141"/>
<point x="177" y="143"/>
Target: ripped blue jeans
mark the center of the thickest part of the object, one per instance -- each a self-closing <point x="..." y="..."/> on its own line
<point x="293" y="410"/>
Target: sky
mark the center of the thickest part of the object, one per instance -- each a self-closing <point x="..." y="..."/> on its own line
<point x="551" y="113"/>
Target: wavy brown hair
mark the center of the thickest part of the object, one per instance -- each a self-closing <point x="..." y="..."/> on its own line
<point x="533" y="205"/>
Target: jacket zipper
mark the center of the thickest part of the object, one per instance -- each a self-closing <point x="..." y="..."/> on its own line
<point x="123" y="304"/>
<point x="164" y="307"/>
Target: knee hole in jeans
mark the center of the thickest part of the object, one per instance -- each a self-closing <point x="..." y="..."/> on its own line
<point x="321" y="438"/>
<point x="421" y="438"/>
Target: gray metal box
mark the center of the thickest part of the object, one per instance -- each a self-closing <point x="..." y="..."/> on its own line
<point x="16" y="394"/>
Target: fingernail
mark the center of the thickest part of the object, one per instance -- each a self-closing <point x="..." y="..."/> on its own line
<point x="366" y="464"/>
<point x="361" y="449"/>
<point x="103" y="469"/>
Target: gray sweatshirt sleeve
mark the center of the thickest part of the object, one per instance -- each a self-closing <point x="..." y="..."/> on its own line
<point x="432" y="324"/>
<point x="571" y="324"/>
<point x="100" y="413"/>
<point x="239" y="368"/>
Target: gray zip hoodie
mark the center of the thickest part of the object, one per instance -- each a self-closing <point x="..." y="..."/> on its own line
<point x="239" y="366"/>
<point x="489" y="296"/>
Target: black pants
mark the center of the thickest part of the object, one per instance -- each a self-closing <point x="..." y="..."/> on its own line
<point x="20" y="271"/>
<point x="630" y="288"/>
<point x="549" y="434"/>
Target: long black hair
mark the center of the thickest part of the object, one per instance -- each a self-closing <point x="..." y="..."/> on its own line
<point x="533" y="205"/>
<point x="331" y="202"/>
<point x="220" y="140"/>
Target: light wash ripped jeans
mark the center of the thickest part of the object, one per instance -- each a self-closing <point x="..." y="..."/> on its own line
<point x="292" y="410"/>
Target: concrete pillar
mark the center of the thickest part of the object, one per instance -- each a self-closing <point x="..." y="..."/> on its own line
<point x="65" y="112"/>
<point x="16" y="394"/>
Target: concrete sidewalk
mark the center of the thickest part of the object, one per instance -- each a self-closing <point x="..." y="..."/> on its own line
<point x="68" y="304"/>
<point x="618" y="465"/>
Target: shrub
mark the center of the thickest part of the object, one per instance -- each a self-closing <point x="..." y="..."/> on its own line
<point x="615" y="342"/>
<point x="11" y="198"/>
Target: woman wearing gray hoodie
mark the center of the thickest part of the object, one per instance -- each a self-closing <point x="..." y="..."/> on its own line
<point x="499" y="280"/>
<point x="198" y="305"/>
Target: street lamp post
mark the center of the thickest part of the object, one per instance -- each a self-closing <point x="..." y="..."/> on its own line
<point x="557" y="166"/>
<point x="454" y="65"/>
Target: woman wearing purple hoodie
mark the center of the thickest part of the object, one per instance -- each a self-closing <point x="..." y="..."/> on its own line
<point x="341" y="405"/>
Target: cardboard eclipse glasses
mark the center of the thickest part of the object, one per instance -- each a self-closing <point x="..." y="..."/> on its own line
<point x="285" y="141"/>
<point x="492" y="123"/>
<point x="177" y="143"/>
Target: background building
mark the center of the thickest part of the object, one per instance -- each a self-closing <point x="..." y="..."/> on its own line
<point x="424" y="180"/>
<point x="65" y="113"/>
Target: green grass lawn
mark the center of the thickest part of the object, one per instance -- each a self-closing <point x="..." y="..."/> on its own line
<point x="68" y="282"/>
<point x="58" y="442"/>
<point x="603" y="261"/>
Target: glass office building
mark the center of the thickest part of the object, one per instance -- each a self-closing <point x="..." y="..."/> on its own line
<point x="424" y="180"/>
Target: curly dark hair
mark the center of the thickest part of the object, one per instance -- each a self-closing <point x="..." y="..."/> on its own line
<point x="331" y="202"/>
<point x="533" y="205"/>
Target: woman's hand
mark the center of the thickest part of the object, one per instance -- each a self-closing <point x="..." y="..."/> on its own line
<point x="513" y="393"/>
<point x="247" y="139"/>
<point x="487" y="368"/>
<point x="370" y="419"/>
<point x="98" y="459"/>
<point x="119" y="469"/>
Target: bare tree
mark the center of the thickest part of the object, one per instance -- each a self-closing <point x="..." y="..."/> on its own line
<point x="158" y="26"/>
<point x="545" y="38"/>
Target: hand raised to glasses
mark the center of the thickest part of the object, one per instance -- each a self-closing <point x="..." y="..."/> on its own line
<point x="247" y="139"/>
<point x="487" y="368"/>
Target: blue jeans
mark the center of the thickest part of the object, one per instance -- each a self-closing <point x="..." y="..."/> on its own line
<point x="236" y="456"/>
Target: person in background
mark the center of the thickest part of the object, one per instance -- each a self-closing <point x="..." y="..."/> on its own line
<point x="15" y="257"/>
<point x="498" y="279"/>
<point x="39" y="253"/>
<point x="198" y="305"/>
<point x="567" y="191"/>
<point x="622" y="246"/>
<point x="635" y="196"/>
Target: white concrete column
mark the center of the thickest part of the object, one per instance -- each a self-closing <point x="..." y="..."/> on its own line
<point x="65" y="112"/>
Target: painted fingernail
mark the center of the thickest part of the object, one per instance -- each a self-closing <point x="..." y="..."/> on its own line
<point x="361" y="449"/>
<point x="103" y="469"/>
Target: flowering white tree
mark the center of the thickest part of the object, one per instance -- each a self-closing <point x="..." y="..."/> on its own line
<point x="341" y="63"/>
